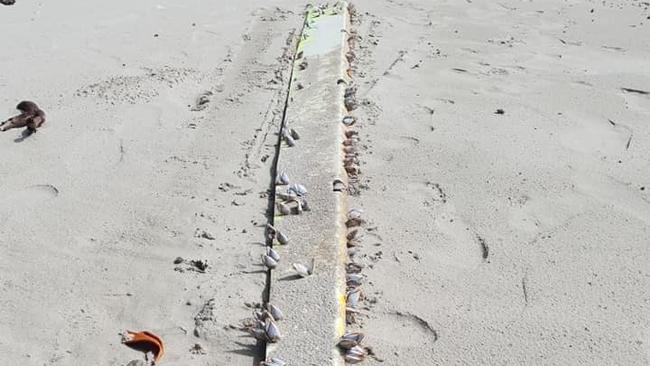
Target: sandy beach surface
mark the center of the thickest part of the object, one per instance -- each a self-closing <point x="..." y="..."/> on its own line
<point x="125" y="176"/>
<point x="505" y="178"/>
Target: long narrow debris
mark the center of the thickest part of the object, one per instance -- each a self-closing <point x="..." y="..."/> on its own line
<point x="308" y="282"/>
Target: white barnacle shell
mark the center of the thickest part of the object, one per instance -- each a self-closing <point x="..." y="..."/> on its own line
<point x="354" y="279"/>
<point x="357" y="351"/>
<point x="282" y="238"/>
<point x="272" y="331"/>
<point x="353" y="359"/>
<point x="297" y="189"/>
<point x="304" y="270"/>
<point x="305" y="205"/>
<point x="301" y="269"/>
<point x="355" y="354"/>
<point x="354" y="213"/>
<point x="269" y="262"/>
<point x="282" y="179"/>
<point x="349" y="120"/>
<point x="275" y="312"/>
<point x="273" y="254"/>
<point x="289" y="140"/>
<point x="353" y="297"/>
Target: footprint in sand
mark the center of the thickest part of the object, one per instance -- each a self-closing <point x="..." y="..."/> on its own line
<point x="398" y="331"/>
<point x="457" y="243"/>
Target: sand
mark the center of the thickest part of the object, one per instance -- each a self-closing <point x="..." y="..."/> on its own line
<point x="506" y="239"/>
<point x="125" y="177"/>
<point x="518" y="237"/>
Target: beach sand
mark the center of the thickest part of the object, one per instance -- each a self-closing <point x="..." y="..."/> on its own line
<point x="505" y="178"/>
<point x="125" y="176"/>
<point x="519" y="238"/>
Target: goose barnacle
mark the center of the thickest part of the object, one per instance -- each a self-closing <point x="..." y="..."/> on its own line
<point x="352" y="169"/>
<point x="272" y="331"/>
<point x="270" y="231"/>
<point x="282" y="179"/>
<point x="353" y="297"/>
<point x="350" y="340"/>
<point x="354" y="213"/>
<point x="297" y="189"/>
<point x="354" y="222"/>
<point x="273" y="254"/>
<point x="350" y="149"/>
<point x="269" y="262"/>
<point x="353" y="243"/>
<point x="353" y="234"/>
<point x="349" y="120"/>
<point x="353" y="267"/>
<point x="350" y="141"/>
<point x="354" y="279"/>
<point x="355" y="354"/>
<point x="275" y="312"/>
<point x="282" y="238"/>
<point x="291" y="142"/>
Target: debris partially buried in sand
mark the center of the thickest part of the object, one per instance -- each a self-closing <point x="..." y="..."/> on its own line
<point x="197" y="349"/>
<point x="146" y="342"/>
<point x="636" y="91"/>
<point x="196" y="265"/>
<point x="31" y="116"/>
<point x="202" y="101"/>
